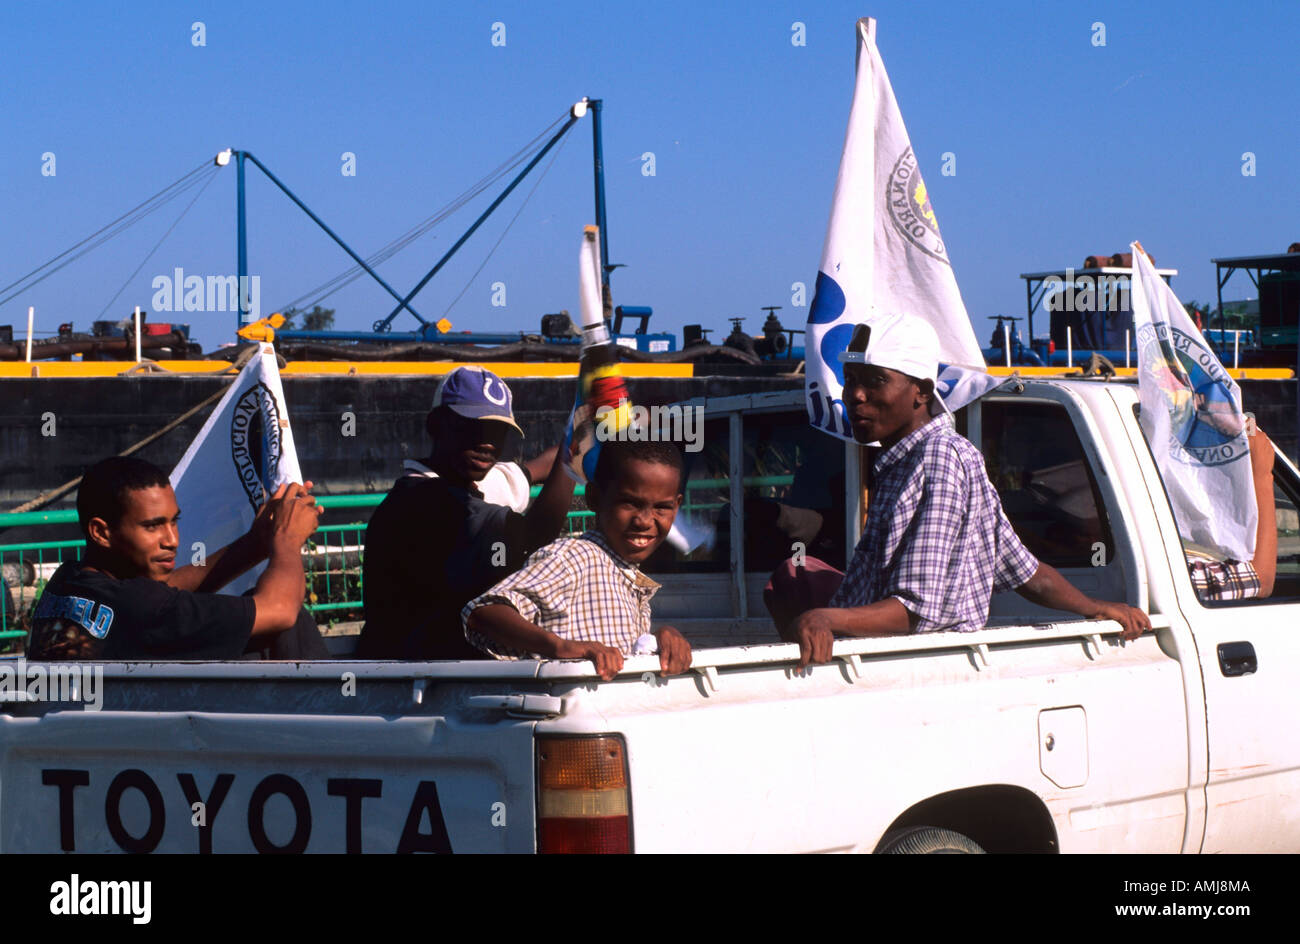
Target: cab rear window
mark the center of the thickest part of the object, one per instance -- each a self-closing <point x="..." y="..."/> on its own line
<point x="1038" y="466"/>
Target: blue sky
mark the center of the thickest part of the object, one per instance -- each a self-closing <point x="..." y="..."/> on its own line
<point x="1062" y="148"/>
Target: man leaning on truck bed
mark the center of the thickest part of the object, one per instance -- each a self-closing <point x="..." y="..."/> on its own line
<point x="936" y="544"/>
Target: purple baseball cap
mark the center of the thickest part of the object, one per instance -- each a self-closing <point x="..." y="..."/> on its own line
<point x="476" y="394"/>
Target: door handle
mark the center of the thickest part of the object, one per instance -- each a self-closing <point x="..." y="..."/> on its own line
<point x="1237" y="658"/>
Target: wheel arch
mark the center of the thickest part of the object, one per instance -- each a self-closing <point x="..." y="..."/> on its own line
<point x="1002" y="818"/>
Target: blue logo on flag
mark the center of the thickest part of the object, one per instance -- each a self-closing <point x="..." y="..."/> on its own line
<point x="828" y="300"/>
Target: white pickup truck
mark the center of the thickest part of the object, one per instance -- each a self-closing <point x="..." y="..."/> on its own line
<point x="1040" y="733"/>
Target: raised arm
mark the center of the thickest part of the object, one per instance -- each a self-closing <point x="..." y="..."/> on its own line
<point x="539" y="466"/>
<point x="544" y="519"/>
<point x="280" y="590"/>
<point x="250" y="549"/>
<point x="1261" y="470"/>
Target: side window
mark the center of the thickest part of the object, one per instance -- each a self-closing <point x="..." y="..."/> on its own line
<point x="1037" y="464"/>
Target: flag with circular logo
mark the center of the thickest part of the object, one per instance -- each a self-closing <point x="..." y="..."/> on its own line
<point x="883" y="253"/>
<point x="243" y="453"/>
<point x="1192" y="418"/>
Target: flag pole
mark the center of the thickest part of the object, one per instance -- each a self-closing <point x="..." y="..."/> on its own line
<point x="853" y="504"/>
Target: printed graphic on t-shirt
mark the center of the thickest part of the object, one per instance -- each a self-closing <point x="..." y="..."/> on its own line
<point x="95" y="618"/>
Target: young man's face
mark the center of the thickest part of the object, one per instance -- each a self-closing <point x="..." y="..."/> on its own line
<point x="143" y="543"/>
<point x="884" y="405"/>
<point x="467" y="449"/>
<point x="636" y="511"/>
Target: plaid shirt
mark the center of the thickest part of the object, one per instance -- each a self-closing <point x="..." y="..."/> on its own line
<point x="576" y="588"/>
<point x="936" y="538"/>
<point x="1226" y="580"/>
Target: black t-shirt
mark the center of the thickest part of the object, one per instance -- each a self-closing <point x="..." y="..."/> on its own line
<point x="85" y="614"/>
<point x="431" y="547"/>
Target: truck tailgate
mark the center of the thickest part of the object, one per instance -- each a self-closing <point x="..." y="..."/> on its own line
<point x="436" y="774"/>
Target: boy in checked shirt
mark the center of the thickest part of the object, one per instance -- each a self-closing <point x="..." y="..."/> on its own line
<point x="585" y="597"/>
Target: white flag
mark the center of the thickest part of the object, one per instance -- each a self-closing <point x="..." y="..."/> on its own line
<point x="243" y="453"/>
<point x="601" y="397"/>
<point x="1192" y="418"/>
<point x="883" y="251"/>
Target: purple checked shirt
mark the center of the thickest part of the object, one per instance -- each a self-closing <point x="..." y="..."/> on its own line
<point x="936" y="537"/>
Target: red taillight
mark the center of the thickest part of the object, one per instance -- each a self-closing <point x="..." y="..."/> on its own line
<point x="582" y="795"/>
<point x="608" y="835"/>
